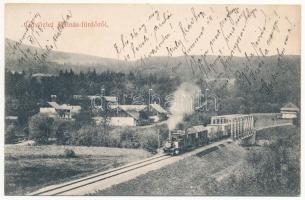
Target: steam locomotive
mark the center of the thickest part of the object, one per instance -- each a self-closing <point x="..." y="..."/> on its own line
<point x="235" y="126"/>
<point x="180" y="141"/>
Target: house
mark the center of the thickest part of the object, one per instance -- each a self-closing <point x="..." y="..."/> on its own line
<point x="103" y="101"/>
<point x="42" y="75"/>
<point x="156" y="113"/>
<point x="126" y="115"/>
<point x="78" y="97"/>
<point x="134" y="115"/>
<point x="64" y="111"/>
<point x="11" y="120"/>
<point x="289" y="111"/>
<point x="110" y="99"/>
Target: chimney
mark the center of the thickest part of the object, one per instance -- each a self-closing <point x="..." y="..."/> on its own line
<point x="53" y="98"/>
<point x="102" y="91"/>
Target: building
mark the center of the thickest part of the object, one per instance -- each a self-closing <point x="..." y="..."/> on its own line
<point x="64" y="111"/>
<point x="110" y="99"/>
<point x="97" y="100"/>
<point x="156" y="113"/>
<point x="78" y="97"/>
<point x="126" y="115"/>
<point x="42" y="75"/>
<point x="289" y="111"/>
<point x="11" y="120"/>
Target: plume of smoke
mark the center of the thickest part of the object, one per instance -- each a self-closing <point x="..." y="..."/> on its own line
<point x="182" y="104"/>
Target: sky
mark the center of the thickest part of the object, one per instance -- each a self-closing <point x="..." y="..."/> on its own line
<point x="140" y="31"/>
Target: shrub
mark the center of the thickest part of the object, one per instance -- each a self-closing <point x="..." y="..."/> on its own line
<point x="84" y="136"/>
<point x="129" y="138"/>
<point x="83" y="118"/>
<point x="63" y="131"/>
<point x="149" y="141"/>
<point x="114" y="140"/>
<point x="91" y="136"/>
<point x="40" y="128"/>
<point x="69" y="153"/>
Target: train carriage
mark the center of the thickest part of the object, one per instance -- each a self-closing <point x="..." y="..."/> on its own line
<point x="199" y="133"/>
<point x="221" y="127"/>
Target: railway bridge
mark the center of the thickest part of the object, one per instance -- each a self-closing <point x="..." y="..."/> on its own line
<point x="240" y="126"/>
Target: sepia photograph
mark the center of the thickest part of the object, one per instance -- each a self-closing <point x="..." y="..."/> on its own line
<point x="152" y="99"/>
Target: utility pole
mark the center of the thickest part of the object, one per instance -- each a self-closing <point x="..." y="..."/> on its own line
<point x="206" y="99"/>
<point x="158" y="139"/>
<point x="149" y="98"/>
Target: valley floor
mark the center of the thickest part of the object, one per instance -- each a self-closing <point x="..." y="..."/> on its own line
<point x="28" y="168"/>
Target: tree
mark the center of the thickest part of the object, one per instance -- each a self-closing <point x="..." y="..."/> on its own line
<point x="149" y="142"/>
<point x="63" y="131"/>
<point x="10" y="134"/>
<point x="84" y="117"/>
<point x="89" y="135"/>
<point x="40" y="127"/>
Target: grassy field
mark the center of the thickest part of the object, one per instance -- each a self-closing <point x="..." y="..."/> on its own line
<point x="228" y="170"/>
<point x="28" y="168"/>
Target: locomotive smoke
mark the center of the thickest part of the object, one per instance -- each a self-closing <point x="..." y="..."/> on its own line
<point x="182" y="104"/>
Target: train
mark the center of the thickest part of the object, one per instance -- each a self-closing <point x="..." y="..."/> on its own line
<point x="180" y="141"/>
<point x="234" y="126"/>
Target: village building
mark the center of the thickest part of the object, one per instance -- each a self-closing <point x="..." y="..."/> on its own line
<point x="156" y="113"/>
<point x="78" y="97"/>
<point x="133" y="115"/>
<point x="126" y="115"/>
<point x="97" y="100"/>
<point x="289" y="111"/>
<point x="64" y="111"/>
<point x="11" y="120"/>
<point x="40" y="76"/>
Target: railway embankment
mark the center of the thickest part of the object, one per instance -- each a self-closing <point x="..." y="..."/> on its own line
<point x="190" y="176"/>
<point x="272" y="168"/>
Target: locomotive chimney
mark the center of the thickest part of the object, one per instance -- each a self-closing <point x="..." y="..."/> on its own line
<point x="169" y="134"/>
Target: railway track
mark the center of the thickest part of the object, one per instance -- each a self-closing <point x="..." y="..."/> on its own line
<point x="114" y="176"/>
<point x="60" y="189"/>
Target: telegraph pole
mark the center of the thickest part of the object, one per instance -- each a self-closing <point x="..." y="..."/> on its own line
<point x="149" y="98"/>
<point x="158" y="139"/>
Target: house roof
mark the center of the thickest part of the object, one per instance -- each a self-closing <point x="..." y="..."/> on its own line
<point x="107" y="98"/>
<point x="78" y="96"/>
<point x="42" y="75"/>
<point x="111" y="98"/>
<point x="11" y="117"/>
<point x="63" y="106"/>
<point x="54" y="105"/>
<point x="132" y="110"/>
<point x="289" y="107"/>
<point x="133" y="107"/>
<point x="93" y="97"/>
<point x="196" y="129"/>
<point x="158" y="108"/>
